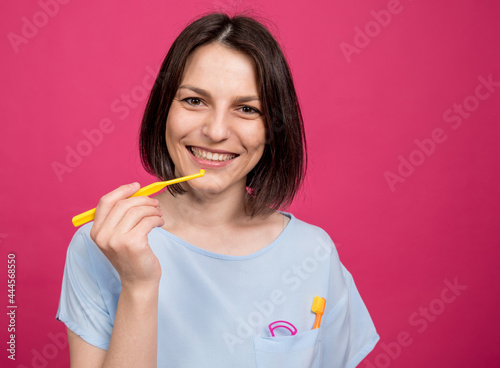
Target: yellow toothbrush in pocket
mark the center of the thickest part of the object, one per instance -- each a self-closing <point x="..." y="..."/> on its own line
<point x="318" y="307"/>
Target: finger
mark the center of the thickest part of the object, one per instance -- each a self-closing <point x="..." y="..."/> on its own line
<point x="108" y="201"/>
<point x="134" y="215"/>
<point x="144" y="227"/>
<point x="120" y="209"/>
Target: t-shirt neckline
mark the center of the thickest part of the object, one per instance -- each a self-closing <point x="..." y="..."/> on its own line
<point x="227" y="257"/>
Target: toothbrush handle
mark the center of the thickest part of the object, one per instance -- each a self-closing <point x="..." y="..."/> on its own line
<point x="83" y="218"/>
<point x="317" y="322"/>
<point x="89" y="215"/>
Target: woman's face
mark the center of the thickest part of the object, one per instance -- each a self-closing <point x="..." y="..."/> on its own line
<point x="214" y="121"/>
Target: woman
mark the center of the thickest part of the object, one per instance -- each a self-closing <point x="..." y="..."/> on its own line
<point x="194" y="276"/>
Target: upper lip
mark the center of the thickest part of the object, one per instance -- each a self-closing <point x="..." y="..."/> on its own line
<point x="213" y="151"/>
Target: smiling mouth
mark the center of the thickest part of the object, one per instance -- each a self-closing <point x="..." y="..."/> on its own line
<point x="211" y="156"/>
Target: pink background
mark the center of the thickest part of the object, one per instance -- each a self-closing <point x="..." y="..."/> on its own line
<point x="405" y="240"/>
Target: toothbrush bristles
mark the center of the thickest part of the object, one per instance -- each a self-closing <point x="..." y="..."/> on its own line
<point x="318" y="305"/>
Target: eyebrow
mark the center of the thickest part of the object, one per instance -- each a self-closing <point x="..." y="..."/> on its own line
<point x="205" y="93"/>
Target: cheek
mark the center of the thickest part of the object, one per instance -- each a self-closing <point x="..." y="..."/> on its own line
<point x="177" y="125"/>
<point x="259" y="136"/>
<point x="254" y="140"/>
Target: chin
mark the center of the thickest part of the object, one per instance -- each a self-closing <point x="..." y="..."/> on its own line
<point x="213" y="187"/>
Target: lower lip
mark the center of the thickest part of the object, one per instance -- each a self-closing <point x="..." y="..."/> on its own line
<point x="210" y="163"/>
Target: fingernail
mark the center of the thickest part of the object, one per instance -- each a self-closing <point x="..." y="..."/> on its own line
<point x="134" y="185"/>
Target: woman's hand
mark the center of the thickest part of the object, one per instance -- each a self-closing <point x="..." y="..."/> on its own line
<point x="120" y="230"/>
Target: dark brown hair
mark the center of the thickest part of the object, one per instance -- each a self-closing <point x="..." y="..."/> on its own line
<point x="275" y="180"/>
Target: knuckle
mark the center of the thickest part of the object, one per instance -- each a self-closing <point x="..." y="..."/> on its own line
<point x="105" y="199"/>
<point x="114" y="243"/>
<point x="134" y="211"/>
<point x="98" y="239"/>
<point x="127" y="245"/>
<point x="93" y="232"/>
<point x="121" y="203"/>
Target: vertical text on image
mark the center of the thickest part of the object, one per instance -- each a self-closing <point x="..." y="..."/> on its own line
<point x="11" y="306"/>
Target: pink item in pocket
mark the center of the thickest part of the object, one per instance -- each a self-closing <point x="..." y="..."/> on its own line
<point x="282" y="324"/>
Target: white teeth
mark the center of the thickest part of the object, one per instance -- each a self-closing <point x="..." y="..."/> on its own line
<point x="211" y="156"/>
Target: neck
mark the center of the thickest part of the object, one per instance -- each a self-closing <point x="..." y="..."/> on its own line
<point x="202" y="209"/>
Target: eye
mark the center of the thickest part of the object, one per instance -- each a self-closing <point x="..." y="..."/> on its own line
<point x="248" y="110"/>
<point x="193" y="101"/>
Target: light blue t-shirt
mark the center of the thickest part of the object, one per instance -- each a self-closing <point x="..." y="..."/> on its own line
<point x="215" y="310"/>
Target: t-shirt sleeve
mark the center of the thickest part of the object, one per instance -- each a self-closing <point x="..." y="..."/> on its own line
<point x="349" y="334"/>
<point x="81" y="306"/>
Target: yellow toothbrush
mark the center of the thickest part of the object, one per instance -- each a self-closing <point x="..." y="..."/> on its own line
<point x="89" y="215"/>
<point x="318" y="307"/>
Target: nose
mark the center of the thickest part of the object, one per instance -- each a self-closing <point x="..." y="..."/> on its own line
<point x="216" y="126"/>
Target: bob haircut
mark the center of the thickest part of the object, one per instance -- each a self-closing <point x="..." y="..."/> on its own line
<point x="275" y="180"/>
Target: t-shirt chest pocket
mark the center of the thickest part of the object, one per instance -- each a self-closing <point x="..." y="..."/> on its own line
<point x="298" y="351"/>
